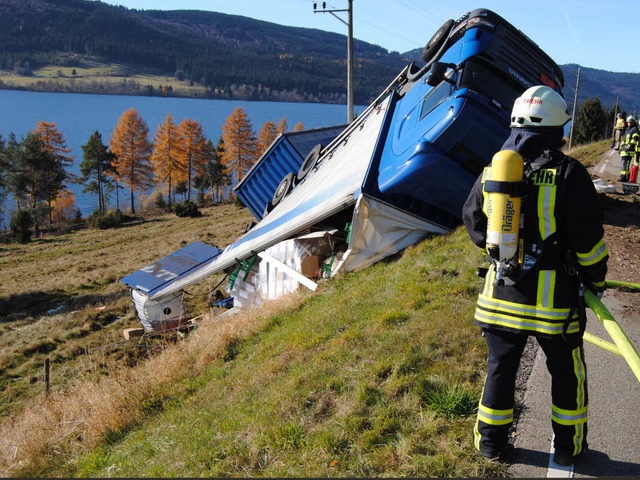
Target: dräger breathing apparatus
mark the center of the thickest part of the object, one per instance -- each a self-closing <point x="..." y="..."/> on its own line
<point x="505" y="187"/>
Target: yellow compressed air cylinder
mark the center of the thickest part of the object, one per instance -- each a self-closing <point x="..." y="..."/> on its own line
<point x="503" y="209"/>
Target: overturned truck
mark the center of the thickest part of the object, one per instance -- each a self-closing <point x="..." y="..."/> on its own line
<point x="399" y="172"/>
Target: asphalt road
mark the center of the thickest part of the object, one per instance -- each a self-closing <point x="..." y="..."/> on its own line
<point x="614" y="400"/>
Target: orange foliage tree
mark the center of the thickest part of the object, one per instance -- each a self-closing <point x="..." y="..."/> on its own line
<point x="132" y="148"/>
<point x="239" y="144"/>
<point x="192" y="151"/>
<point x="282" y="126"/>
<point x="266" y="135"/>
<point x="54" y="142"/>
<point x="167" y="162"/>
<point x="64" y="207"/>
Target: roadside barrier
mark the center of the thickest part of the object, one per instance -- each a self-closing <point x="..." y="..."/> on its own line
<point x="622" y="345"/>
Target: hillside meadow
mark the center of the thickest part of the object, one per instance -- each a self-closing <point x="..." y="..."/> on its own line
<point x="377" y="373"/>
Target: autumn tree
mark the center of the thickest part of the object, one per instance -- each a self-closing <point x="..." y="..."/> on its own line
<point x="64" y="207"/>
<point x="98" y="169"/>
<point x="239" y="144"/>
<point x="299" y="127"/>
<point x="282" y="126"/>
<point x="266" y="136"/>
<point x="132" y="148"/>
<point x="192" y="151"/>
<point x="166" y="158"/>
<point x="54" y="142"/>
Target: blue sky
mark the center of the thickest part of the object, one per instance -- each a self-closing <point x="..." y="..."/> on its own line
<point x="592" y="33"/>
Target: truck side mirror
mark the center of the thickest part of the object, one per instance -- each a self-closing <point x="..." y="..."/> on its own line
<point x="437" y="73"/>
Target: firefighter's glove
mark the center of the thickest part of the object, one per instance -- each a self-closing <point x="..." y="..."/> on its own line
<point x="596" y="288"/>
<point x="624" y="147"/>
<point x="597" y="291"/>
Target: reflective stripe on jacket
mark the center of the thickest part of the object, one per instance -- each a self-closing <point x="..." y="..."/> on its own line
<point x="562" y="233"/>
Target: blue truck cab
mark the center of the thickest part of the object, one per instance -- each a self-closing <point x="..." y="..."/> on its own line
<point x="453" y="113"/>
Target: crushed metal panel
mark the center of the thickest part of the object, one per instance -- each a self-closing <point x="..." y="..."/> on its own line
<point x="333" y="187"/>
<point x="171" y="268"/>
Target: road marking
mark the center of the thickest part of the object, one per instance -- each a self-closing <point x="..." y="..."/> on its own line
<point x="558" y="471"/>
<point x="605" y="163"/>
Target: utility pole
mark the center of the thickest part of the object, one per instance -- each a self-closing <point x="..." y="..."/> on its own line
<point x="573" y="115"/>
<point x="615" y="115"/>
<point x="349" y="24"/>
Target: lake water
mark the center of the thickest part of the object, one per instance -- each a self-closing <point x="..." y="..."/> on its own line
<point x="77" y="116"/>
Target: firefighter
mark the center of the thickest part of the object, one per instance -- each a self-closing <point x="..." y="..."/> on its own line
<point x="619" y="130"/>
<point x="561" y="249"/>
<point x="629" y="148"/>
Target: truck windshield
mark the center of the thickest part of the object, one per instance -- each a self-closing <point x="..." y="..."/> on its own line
<point x="489" y="82"/>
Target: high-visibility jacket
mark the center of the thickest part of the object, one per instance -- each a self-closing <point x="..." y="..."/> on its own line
<point x="562" y="235"/>
<point x="620" y="124"/>
<point x="630" y="140"/>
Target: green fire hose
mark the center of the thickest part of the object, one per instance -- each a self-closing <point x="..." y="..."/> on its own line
<point x="622" y="345"/>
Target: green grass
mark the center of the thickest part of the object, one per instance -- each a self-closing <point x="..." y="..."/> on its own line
<point x="377" y="374"/>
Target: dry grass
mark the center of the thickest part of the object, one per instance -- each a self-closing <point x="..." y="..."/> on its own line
<point x="61" y="297"/>
<point x="79" y="419"/>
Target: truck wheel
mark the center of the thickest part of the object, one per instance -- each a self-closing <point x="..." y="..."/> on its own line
<point x="309" y="162"/>
<point x="282" y="190"/>
<point x="438" y="39"/>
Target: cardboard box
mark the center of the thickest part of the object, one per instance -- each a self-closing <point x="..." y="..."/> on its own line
<point x="310" y="266"/>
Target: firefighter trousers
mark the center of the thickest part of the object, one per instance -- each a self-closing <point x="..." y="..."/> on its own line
<point x="568" y="392"/>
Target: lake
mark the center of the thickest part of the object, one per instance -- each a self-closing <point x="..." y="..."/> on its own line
<point x="77" y="116"/>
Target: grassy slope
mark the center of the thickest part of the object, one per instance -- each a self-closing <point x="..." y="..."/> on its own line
<point x="376" y="374"/>
<point x="61" y="297"/>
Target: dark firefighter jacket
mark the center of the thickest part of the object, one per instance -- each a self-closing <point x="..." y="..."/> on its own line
<point x="562" y="235"/>
<point x="630" y="141"/>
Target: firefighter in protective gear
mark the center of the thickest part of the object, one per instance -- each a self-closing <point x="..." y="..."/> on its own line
<point x="561" y="249"/>
<point x="629" y="148"/>
<point x="619" y="128"/>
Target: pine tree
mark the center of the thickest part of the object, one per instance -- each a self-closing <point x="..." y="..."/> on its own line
<point x="56" y="145"/>
<point x="97" y="168"/>
<point x="131" y="146"/>
<point x="239" y="144"/>
<point x="167" y="163"/>
<point x="191" y="151"/>
<point x="591" y="122"/>
<point x="35" y="175"/>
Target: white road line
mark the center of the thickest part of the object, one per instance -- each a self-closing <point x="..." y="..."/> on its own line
<point x="558" y="471"/>
<point x="605" y="163"/>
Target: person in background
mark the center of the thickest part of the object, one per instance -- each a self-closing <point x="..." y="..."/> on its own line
<point x="618" y="131"/>
<point x="562" y="251"/>
<point x="629" y="148"/>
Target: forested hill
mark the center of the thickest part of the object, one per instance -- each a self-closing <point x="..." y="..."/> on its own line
<point x="232" y="56"/>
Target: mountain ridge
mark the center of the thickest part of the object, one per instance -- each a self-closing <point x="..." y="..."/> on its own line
<point x="230" y="56"/>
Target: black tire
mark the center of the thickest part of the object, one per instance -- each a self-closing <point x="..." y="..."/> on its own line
<point x="309" y="162"/>
<point x="436" y="41"/>
<point x="282" y="190"/>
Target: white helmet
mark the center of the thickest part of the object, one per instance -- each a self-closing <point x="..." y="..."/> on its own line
<point x="539" y="106"/>
<point x="631" y="118"/>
